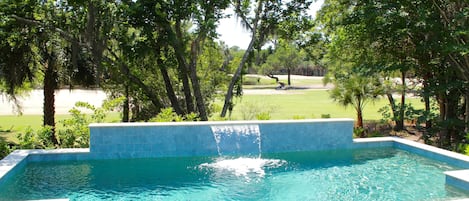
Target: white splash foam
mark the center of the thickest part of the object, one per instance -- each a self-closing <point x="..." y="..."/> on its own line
<point x="244" y="166"/>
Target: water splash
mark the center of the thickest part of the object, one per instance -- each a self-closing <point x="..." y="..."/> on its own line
<point x="243" y="167"/>
<point x="237" y="139"/>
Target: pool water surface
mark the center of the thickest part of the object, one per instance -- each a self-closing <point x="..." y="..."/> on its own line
<point x="361" y="174"/>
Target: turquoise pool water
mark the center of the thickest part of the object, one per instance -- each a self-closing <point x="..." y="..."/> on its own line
<point x="368" y="174"/>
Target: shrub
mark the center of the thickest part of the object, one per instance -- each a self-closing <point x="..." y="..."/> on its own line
<point x="4" y="149"/>
<point x="27" y="140"/>
<point x="297" y="117"/>
<point x="263" y="116"/>
<point x="168" y="115"/>
<point x="251" y="111"/>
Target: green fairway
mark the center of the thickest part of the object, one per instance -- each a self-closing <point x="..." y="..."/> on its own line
<point x="11" y="125"/>
<point x="255" y="82"/>
<point x="294" y="104"/>
<point x="307" y="104"/>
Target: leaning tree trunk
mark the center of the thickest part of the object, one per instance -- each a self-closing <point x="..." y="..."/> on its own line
<point x="395" y="111"/>
<point x="170" y="91"/>
<point x="229" y="92"/>
<point x="50" y="84"/>
<point x="466" y="112"/>
<point x="176" y="39"/>
<point x="195" y="80"/>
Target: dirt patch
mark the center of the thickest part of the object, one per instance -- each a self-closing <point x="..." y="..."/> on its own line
<point x="410" y="131"/>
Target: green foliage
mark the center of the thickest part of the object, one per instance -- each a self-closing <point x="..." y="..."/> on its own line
<point x="28" y="139"/>
<point x="44" y="135"/>
<point x="263" y="116"/>
<point x="375" y="134"/>
<point x="325" y="116"/>
<point x="4" y="149"/>
<point x="298" y="117"/>
<point x="251" y="111"/>
<point x="74" y="132"/>
<point x="251" y="80"/>
<point x="358" y="132"/>
<point x="167" y="115"/>
<point x="286" y="56"/>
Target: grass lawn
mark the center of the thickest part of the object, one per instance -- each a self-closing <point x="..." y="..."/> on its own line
<point x="306" y="104"/>
<point x="11" y="125"/>
<point x="296" y="104"/>
<point x="265" y="82"/>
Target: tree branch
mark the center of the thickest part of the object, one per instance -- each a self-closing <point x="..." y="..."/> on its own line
<point x="67" y="36"/>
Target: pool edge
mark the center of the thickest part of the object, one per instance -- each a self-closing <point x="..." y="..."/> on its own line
<point x="456" y="178"/>
<point x="459" y="178"/>
<point x="19" y="158"/>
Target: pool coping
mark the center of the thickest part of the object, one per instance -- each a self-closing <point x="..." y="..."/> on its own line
<point x="18" y="158"/>
<point x="211" y="123"/>
<point x="457" y="178"/>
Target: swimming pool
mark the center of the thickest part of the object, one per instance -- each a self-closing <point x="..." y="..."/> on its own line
<point x="261" y="160"/>
<point x="362" y="174"/>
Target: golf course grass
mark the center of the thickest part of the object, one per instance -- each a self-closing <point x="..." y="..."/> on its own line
<point x="281" y="104"/>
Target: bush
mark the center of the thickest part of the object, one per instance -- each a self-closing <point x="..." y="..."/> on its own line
<point x="168" y="115"/>
<point x="251" y="111"/>
<point x="298" y="117"/>
<point x="4" y="149"/>
<point x="27" y="140"/>
<point x="75" y="132"/>
<point x="325" y="116"/>
<point x="263" y="116"/>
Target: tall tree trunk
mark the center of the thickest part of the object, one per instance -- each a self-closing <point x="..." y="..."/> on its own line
<point x="126" y="105"/>
<point x="360" y="122"/>
<point x="195" y="48"/>
<point x="426" y="100"/>
<point x="50" y="84"/>
<point x="289" y="73"/>
<point x="176" y="39"/>
<point x="170" y="91"/>
<point x="443" y="132"/>
<point x="466" y="112"/>
<point x="400" y="120"/>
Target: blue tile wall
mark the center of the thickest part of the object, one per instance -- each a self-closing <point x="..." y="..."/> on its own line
<point x="433" y="155"/>
<point x="195" y="139"/>
<point x="457" y="183"/>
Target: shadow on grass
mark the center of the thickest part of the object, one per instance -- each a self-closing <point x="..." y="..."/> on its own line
<point x="4" y="136"/>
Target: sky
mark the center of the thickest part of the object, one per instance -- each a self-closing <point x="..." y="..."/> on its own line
<point x="233" y="34"/>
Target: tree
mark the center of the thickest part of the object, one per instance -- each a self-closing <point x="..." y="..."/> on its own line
<point x="286" y="56"/>
<point x="53" y="48"/>
<point x="168" y="19"/>
<point x="355" y="90"/>
<point x="264" y="19"/>
<point x="423" y="38"/>
<point x="17" y="61"/>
